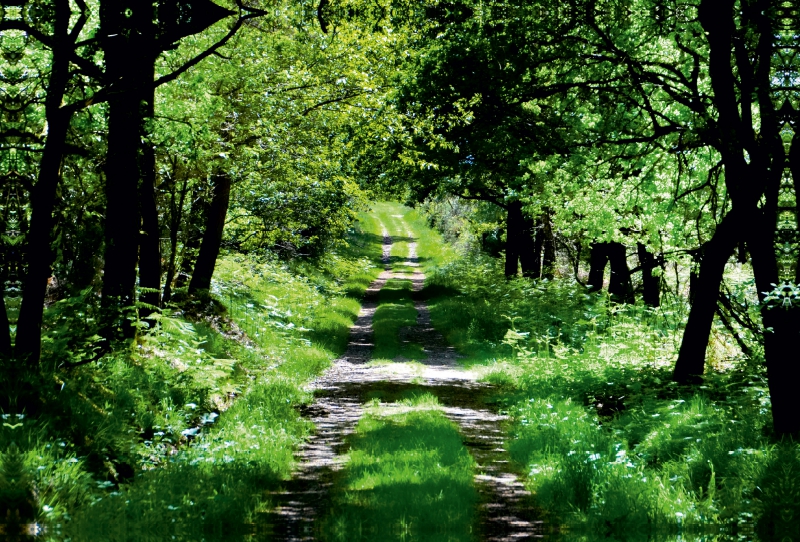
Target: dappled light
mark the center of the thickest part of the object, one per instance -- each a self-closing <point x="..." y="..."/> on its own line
<point x="393" y="270"/>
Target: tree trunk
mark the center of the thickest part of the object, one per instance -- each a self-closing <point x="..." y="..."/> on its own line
<point x="212" y="239"/>
<point x="620" y="283"/>
<point x="195" y="228"/>
<point x="39" y="254"/>
<point x="150" y="239"/>
<point x="530" y="256"/>
<point x="651" y="285"/>
<point x="549" y="247"/>
<point x="122" y="213"/>
<point x="5" y="332"/>
<point x="598" y="258"/>
<point x="705" y="292"/>
<point x="176" y="217"/>
<point x="514" y="232"/>
<point x="782" y="331"/>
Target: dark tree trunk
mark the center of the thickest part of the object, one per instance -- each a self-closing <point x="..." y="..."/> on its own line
<point x="651" y="285"/>
<point x="150" y="242"/>
<point x="176" y="217"/>
<point x="781" y="320"/>
<point x="530" y="256"/>
<point x="195" y="228"/>
<point x="122" y="213"/>
<point x="128" y="47"/>
<point x="598" y="259"/>
<point x="39" y="255"/>
<point x="212" y="239"/>
<point x="514" y="233"/>
<point x="782" y="325"/>
<point x="704" y="291"/>
<point x="549" y="247"/>
<point x="694" y="285"/>
<point x="5" y="332"/>
<point x="619" y="285"/>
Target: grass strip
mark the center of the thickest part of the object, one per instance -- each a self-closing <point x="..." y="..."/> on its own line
<point x="395" y="311"/>
<point x="408" y="477"/>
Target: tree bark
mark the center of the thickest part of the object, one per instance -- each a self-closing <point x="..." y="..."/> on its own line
<point x="598" y="259"/>
<point x="212" y="239"/>
<point x="150" y="239"/>
<point x="530" y="256"/>
<point x="122" y="213"/>
<point x="651" y="285"/>
<point x="128" y="48"/>
<point x="176" y="217"/>
<point x="5" y="332"/>
<point x="514" y="232"/>
<point x="619" y="285"/>
<point x="705" y="293"/>
<point x="549" y="247"/>
<point x="39" y="255"/>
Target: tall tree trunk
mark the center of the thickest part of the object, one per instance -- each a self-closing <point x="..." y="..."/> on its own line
<point x="5" y="332"/>
<point x="651" y="285"/>
<point x="781" y="319"/>
<point x="620" y="284"/>
<point x="39" y="254"/>
<point x="549" y="247"/>
<point x="705" y="292"/>
<point x="150" y="240"/>
<point x="530" y="256"/>
<point x="176" y="217"/>
<point x="128" y="29"/>
<point x="212" y="239"/>
<point x="122" y="212"/>
<point x="195" y="229"/>
<point x="514" y="227"/>
<point x="598" y="259"/>
<point x="782" y="331"/>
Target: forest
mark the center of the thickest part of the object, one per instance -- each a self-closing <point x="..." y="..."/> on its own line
<point x="368" y="270"/>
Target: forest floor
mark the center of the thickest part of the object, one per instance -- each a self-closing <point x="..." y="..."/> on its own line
<point x="355" y="383"/>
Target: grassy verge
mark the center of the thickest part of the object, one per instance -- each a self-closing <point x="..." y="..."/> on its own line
<point x="408" y="477"/>
<point x="182" y="432"/>
<point x="608" y="443"/>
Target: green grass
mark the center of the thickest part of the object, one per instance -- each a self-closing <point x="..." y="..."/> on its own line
<point x="184" y="433"/>
<point x="609" y="445"/>
<point x="408" y="477"/>
<point x="395" y="310"/>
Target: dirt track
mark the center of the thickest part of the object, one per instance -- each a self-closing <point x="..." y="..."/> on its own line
<point x="505" y="513"/>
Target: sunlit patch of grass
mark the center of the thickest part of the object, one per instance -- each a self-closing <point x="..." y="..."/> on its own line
<point x="608" y="443"/>
<point x="210" y="459"/>
<point x="395" y="310"/>
<point x="408" y="475"/>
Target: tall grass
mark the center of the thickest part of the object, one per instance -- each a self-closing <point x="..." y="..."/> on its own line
<point x="608" y="444"/>
<point x="182" y="432"/>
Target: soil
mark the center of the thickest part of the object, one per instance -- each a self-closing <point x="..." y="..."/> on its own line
<point x="506" y="512"/>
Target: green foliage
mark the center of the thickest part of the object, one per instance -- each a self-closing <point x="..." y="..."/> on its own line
<point x="193" y="419"/>
<point x="608" y="442"/>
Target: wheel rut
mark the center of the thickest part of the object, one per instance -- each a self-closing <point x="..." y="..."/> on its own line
<point x="505" y="512"/>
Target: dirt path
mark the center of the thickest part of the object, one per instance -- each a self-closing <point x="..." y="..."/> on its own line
<point x="347" y="385"/>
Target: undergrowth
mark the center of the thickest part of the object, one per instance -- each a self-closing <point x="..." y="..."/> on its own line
<point x="182" y="430"/>
<point x="607" y="442"/>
